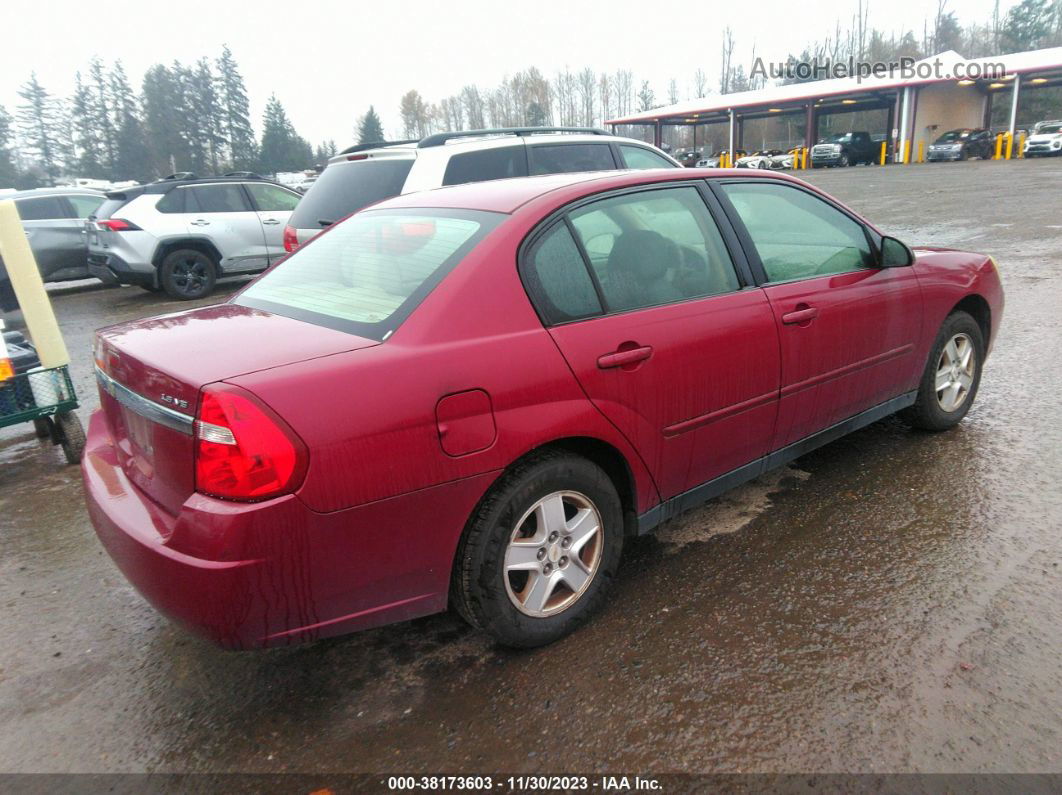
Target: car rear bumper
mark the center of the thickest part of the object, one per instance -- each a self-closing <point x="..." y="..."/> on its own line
<point x="273" y="573"/>
<point x="112" y="269"/>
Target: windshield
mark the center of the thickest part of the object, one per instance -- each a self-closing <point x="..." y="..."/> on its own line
<point x="1050" y="129"/>
<point x="344" y="188"/>
<point x="839" y="138"/>
<point x="952" y="136"/>
<point x="367" y="274"/>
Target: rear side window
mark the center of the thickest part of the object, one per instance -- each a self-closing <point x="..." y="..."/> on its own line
<point x="173" y="202"/>
<point x="640" y="157"/>
<point x="368" y="273"/>
<point x="344" y="188"/>
<point x="556" y="276"/>
<point x="84" y="205"/>
<point x="270" y="198"/>
<point x="43" y="208"/>
<point x="486" y="164"/>
<point x="219" y="198"/>
<point x="565" y="158"/>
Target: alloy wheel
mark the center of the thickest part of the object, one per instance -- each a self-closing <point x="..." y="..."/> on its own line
<point x="190" y="274"/>
<point x="956" y="369"/>
<point x="553" y="554"/>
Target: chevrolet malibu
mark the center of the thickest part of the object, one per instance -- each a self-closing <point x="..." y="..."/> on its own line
<point x="472" y="396"/>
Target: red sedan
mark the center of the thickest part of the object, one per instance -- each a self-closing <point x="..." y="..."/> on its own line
<point x="472" y="396"/>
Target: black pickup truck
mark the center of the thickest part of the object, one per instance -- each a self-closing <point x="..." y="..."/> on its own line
<point x="845" y="149"/>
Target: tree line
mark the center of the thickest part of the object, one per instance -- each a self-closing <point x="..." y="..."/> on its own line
<point x="197" y="118"/>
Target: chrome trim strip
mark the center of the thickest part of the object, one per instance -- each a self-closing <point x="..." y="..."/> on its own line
<point x="144" y="407"/>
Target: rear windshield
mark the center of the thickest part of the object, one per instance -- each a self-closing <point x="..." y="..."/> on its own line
<point x="344" y="188"/>
<point x="108" y="207"/>
<point x="367" y="274"/>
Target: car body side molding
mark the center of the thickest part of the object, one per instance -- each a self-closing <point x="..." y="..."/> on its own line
<point x="680" y="503"/>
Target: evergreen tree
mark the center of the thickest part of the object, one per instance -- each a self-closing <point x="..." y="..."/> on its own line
<point x="192" y="130"/>
<point x="203" y="99"/>
<point x="235" y="113"/>
<point x="1028" y="25"/>
<point x="370" y="130"/>
<point x="87" y="162"/>
<point x="164" y="119"/>
<point x="132" y="157"/>
<point x="8" y="172"/>
<point x="324" y="151"/>
<point x="37" y="126"/>
<point x="282" y="148"/>
<point x="101" y="112"/>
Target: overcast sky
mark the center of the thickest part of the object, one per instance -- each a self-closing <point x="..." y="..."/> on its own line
<point x="328" y="61"/>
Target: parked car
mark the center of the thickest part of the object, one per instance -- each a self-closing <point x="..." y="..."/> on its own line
<point x="845" y="149"/>
<point x="368" y="173"/>
<point x="182" y="233"/>
<point x="962" y="144"/>
<point x="713" y="160"/>
<point x="688" y="158"/>
<point x="770" y="159"/>
<point x="54" y="222"/>
<point x="472" y="396"/>
<point x="1045" y="140"/>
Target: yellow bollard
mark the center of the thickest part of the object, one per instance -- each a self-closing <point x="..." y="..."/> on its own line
<point x="29" y="289"/>
<point x="921" y="151"/>
<point x="882" y="153"/>
<point x="1021" y="145"/>
<point x="906" y="152"/>
<point x="1010" y="144"/>
<point x="806" y="157"/>
<point x="999" y="146"/>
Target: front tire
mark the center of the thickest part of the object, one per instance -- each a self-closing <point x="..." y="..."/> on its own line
<point x="844" y="161"/>
<point x="540" y="551"/>
<point x="952" y="376"/>
<point x="187" y="274"/>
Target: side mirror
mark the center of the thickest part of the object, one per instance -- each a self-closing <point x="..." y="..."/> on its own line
<point x="895" y="254"/>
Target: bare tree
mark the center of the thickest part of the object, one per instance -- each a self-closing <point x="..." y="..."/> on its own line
<point x="700" y="83"/>
<point x="725" y="73"/>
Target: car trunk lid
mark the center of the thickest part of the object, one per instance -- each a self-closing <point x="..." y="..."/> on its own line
<point x="150" y="373"/>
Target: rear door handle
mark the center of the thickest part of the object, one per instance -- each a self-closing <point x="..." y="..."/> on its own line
<point x="271" y="221"/>
<point x="804" y="315"/>
<point x="622" y="358"/>
<point x="199" y="222"/>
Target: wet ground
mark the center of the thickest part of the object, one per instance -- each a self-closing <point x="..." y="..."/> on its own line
<point x="891" y="602"/>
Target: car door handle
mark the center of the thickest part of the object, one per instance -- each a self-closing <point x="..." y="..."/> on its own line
<point x="622" y="358"/>
<point x="271" y="222"/>
<point x="199" y="222"/>
<point x="804" y="314"/>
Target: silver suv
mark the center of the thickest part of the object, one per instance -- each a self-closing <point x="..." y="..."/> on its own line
<point x="180" y="234"/>
<point x="366" y="174"/>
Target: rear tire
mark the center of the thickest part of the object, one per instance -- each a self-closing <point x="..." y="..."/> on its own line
<point x="536" y="526"/>
<point x="948" y="385"/>
<point x="187" y="274"/>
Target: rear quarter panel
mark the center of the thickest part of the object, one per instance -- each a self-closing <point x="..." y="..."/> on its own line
<point x="946" y="278"/>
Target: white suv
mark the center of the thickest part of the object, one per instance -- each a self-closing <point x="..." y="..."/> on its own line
<point x="181" y="233"/>
<point x="365" y="174"/>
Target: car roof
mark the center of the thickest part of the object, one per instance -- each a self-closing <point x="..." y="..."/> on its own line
<point x="24" y="194"/>
<point x="509" y="195"/>
<point x="475" y="142"/>
<point x="166" y="185"/>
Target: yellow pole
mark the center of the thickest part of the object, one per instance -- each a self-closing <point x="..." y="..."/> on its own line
<point x="1010" y="144"/>
<point x="882" y="153"/>
<point x="921" y="151"/>
<point x="999" y="146"/>
<point x="1021" y="145"/>
<point x="804" y="158"/>
<point x="906" y="152"/>
<point x="29" y="289"/>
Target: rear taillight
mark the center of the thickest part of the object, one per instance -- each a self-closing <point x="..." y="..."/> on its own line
<point x="118" y="225"/>
<point x="243" y="451"/>
<point x="291" y="238"/>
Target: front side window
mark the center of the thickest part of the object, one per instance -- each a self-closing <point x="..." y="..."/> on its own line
<point x="486" y="164"/>
<point x="640" y="157"/>
<point x="218" y="199"/>
<point x="568" y="158"/>
<point x="797" y="235"/>
<point x="42" y="208"/>
<point x="365" y="275"/>
<point x="270" y="198"/>
<point x="654" y="247"/>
